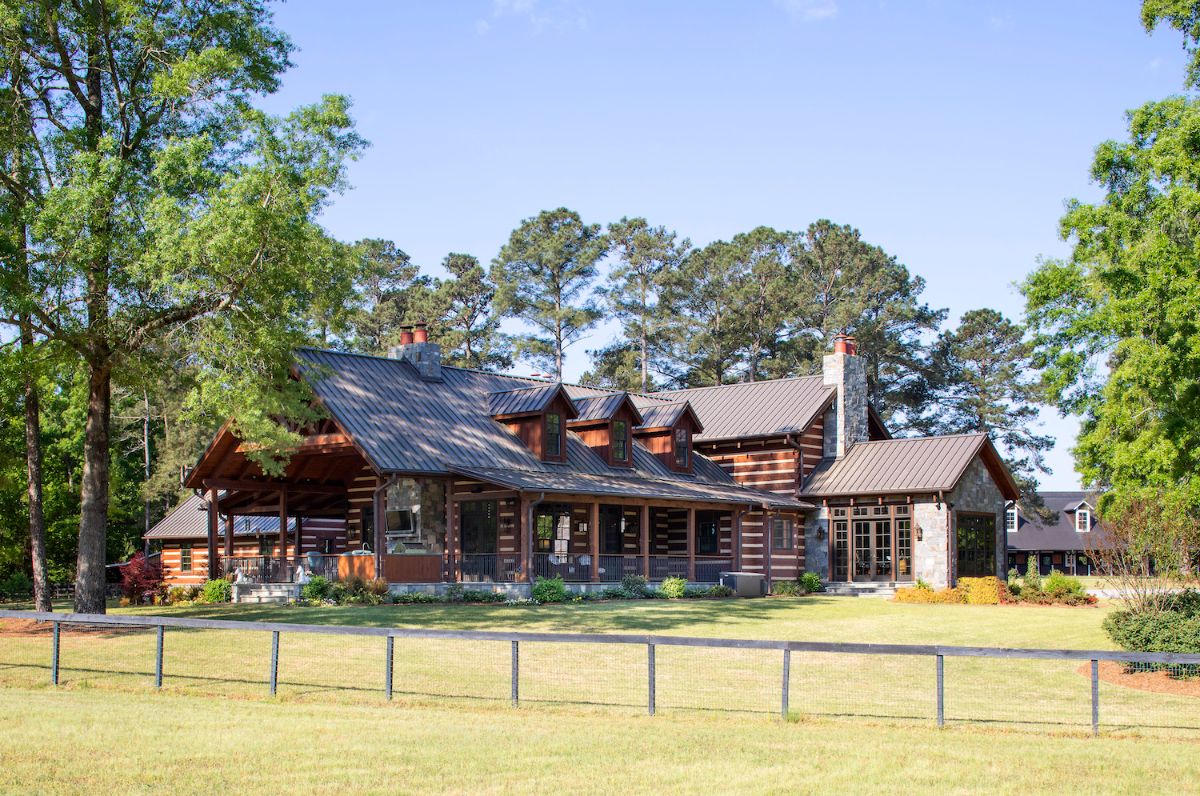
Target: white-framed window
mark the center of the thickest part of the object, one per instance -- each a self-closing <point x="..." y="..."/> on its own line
<point x="1011" y="518"/>
<point x="1083" y="520"/>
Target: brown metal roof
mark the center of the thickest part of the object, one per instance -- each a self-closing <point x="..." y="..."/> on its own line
<point x="189" y="520"/>
<point x="523" y="400"/>
<point x="603" y="407"/>
<point x="899" y="466"/>
<point x="757" y="408"/>
<point x="408" y="425"/>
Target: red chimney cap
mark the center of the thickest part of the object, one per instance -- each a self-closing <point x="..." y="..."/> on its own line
<point x="845" y="344"/>
<point x="421" y="335"/>
<point x="406" y="335"/>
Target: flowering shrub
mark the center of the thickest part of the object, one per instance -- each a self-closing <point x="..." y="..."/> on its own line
<point x="142" y="579"/>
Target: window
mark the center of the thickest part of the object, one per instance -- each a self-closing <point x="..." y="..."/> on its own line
<point x="976" y="545"/>
<point x="620" y="441"/>
<point x="1083" y="520"/>
<point x="1010" y="518"/>
<point x="781" y="533"/>
<point x="327" y="546"/>
<point x="552" y="527"/>
<point x="682" y="449"/>
<point x="707" y="539"/>
<point x="553" y="435"/>
<point x="266" y="546"/>
<point x="185" y="557"/>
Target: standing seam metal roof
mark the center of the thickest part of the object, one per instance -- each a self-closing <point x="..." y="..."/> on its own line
<point x="756" y="408"/>
<point x="922" y="464"/>
<point x="189" y="520"/>
<point x="407" y="425"/>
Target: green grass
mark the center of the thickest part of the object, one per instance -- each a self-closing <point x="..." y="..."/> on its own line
<point x="582" y="725"/>
<point x="160" y="743"/>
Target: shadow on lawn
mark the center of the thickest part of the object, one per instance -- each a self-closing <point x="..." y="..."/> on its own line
<point x="617" y="616"/>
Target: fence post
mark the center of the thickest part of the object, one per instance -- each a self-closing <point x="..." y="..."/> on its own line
<point x="54" y="656"/>
<point x="158" y="659"/>
<point x="650" y="668"/>
<point x="391" y="643"/>
<point x="941" y="696"/>
<point x="787" y="676"/>
<point x="1095" y="697"/>
<point x="516" y="672"/>
<point x="274" y="661"/>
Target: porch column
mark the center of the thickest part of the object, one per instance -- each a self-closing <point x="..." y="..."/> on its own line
<point x="644" y="524"/>
<point x="377" y="506"/>
<point x="594" y="533"/>
<point x="229" y="536"/>
<point x="519" y="539"/>
<point x="214" y="568"/>
<point x="299" y="538"/>
<point x="448" y="540"/>
<point x="691" y="544"/>
<point x="735" y="540"/>
<point x="456" y="550"/>
<point x="768" y="544"/>
<point x="892" y="526"/>
<point x="283" y="515"/>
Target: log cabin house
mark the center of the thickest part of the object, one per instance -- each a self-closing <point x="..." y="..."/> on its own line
<point x="427" y="475"/>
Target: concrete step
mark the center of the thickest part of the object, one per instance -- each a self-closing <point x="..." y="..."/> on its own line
<point x="264" y="592"/>
<point x="880" y="589"/>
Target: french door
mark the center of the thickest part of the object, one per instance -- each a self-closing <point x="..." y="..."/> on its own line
<point x="872" y="550"/>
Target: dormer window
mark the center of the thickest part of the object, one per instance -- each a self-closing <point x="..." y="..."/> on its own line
<point x="553" y="435"/>
<point x="620" y="441"/>
<point x="1083" y="520"/>
<point x="1011" y="519"/>
<point x="683" y="448"/>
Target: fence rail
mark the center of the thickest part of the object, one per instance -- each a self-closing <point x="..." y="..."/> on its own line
<point x="654" y="645"/>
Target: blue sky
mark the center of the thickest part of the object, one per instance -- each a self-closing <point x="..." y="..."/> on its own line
<point x="949" y="133"/>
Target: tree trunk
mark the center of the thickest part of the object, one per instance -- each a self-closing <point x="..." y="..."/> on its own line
<point x="93" y="515"/>
<point x="146" y="470"/>
<point x="33" y="470"/>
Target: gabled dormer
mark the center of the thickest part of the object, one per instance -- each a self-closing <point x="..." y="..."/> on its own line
<point x="605" y="423"/>
<point x="1083" y="516"/>
<point x="667" y="430"/>
<point x="538" y="416"/>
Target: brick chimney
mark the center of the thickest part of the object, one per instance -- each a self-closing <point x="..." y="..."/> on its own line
<point x="423" y="355"/>
<point x="844" y="370"/>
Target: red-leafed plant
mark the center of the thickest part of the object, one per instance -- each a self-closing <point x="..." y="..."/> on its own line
<point x="142" y="578"/>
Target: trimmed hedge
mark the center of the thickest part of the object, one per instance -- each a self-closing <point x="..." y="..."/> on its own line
<point x="970" y="591"/>
<point x="1175" y="629"/>
<point x="915" y="594"/>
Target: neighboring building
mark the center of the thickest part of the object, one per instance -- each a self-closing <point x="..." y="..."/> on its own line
<point x="1059" y="542"/>
<point x="455" y="475"/>
<point x="182" y="538"/>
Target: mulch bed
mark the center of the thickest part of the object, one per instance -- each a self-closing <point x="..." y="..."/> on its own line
<point x="1159" y="682"/>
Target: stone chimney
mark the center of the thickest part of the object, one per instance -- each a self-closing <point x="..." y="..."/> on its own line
<point x="423" y="355"/>
<point x="844" y="370"/>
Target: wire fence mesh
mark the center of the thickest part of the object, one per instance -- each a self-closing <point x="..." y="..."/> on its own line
<point x="1027" y="689"/>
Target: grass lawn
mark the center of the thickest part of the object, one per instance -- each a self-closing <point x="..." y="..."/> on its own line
<point x="582" y="726"/>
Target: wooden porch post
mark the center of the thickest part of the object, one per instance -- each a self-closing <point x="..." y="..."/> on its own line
<point x="448" y="541"/>
<point x="229" y="536"/>
<point x="735" y="540"/>
<point x="691" y="543"/>
<point x="519" y="537"/>
<point x="377" y="504"/>
<point x="299" y="538"/>
<point x="644" y="521"/>
<point x="283" y="515"/>
<point x="594" y="532"/>
<point x="892" y="525"/>
<point x="456" y="553"/>
<point x="214" y="570"/>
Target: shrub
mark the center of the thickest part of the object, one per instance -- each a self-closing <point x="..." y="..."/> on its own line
<point x="811" y="583"/>
<point x="720" y="590"/>
<point x="317" y="588"/>
<point x="1175" y="628"/>
<point x="216" y="591"/>
<point x="615" y="593"/>
<point x="694" y="592"/>
<point x="787" y="588"/>
<point x="417" y="598"/>
<point x="673" y="588"/>
<point x="927" y="595"/>
<point x="1057" y="585"/>
<point x="142" y="579"/>
<point x="16" y="585"/>
<point x="921" y="585"/>
<point x="549" y="590"/>
<point x="478" y="596"/>
<point x="981" y="591"/>
<point x="635" y="585"/>
<point x="1033" y="578"/>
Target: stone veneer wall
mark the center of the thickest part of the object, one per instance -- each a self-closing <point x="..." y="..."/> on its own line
<point x="932" y="549"/>
<point x="977" y="493"/>
<point x="816" y="542"/>
<point x="849" y="375"/>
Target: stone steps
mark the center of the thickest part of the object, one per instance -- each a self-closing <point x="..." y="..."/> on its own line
<point x="264" y="592"/>
<point x="880" y="589"/>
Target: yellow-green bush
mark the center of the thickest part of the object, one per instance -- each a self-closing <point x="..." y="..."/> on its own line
<point x="928" y="596"/>
<point x="981" y="591"/>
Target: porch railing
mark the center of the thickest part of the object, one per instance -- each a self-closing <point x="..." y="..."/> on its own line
<point x="258" y="569"/>
<point x="489" y="567"/>
<point x="709" y="568"/>
<point x="668" y="567"/>
<point x="571" y="568"/>
<point x="615" y="567"/>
